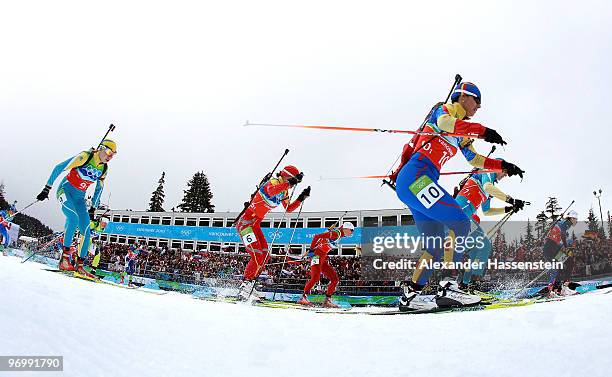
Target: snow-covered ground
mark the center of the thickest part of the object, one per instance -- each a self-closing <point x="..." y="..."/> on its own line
<point x="103" y="330"/>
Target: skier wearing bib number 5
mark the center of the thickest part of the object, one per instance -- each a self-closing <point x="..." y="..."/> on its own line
<point x="85" y="169"/>
<point x="270" y="194"/>
<point x="320" y="246"/>
<point x="432" y="207"/>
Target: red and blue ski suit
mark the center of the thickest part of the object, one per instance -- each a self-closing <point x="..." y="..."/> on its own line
<point x="477" y="192"/>
<point x="271" y="194"/>
<point x="321" y="245"/>
<point x="556" y="239"/>
<point x="433" y="208"/>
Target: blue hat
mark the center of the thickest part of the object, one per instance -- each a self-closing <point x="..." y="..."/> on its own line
<point x="466" y="88"/>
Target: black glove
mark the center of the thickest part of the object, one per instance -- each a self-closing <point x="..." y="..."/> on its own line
<point x="44" y="194"/>
<point x="512" y="169"/>
<point x="508" y="209"/>
<point x="304" y="194"/>
<point x="295" y="180"/>
<point x="491" y="136"/>
<point x="517" y="204"/>
<point x="92" y="213"/>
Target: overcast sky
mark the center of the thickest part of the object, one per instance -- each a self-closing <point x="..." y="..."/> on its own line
<point x="180" y="78"/>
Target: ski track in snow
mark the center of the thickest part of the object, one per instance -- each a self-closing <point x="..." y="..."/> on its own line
<point x="103" y="330"/>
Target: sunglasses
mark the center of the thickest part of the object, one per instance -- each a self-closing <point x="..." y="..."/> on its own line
<point x="109" y="151"/>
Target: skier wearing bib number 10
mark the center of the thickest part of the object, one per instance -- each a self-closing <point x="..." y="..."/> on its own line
<point x="85" y="169"/>
<point x="270" y="194"/>
<point x="432" y="207"/>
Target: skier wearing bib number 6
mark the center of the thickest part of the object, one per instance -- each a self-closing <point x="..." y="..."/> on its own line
<point x="270" y="194"/>
<point x="320" y="246"/>
<point x="85" y="169"/>
<point x="432" y="207"/>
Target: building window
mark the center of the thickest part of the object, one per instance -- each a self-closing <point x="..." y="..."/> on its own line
<point x="296" y="223"/>
<point x="278" y="223"/>
<point x="215" y="246"/>
<point x="155" y="220"/>
<point x="314" y="222"/>
<point x="331" y="221"/>
<point x="166" y="220"/>
<point x="116" y="218"/>
<point x="103" y="237"/>
<point x="131" y="240"/>
<point x="241" y="249"/>
<point x="176" y="244"/>
<point x="188" y="245"/>
<point x="204" y="222"/>
<point x="202" y="246"/>
<point x="278" y="249"/>
<point x="265" y="224"/>
<point x="352" y="220"/>
<point x="122" y="239"/>
<point x="163" y="243"/>
<point x="125" y="219"/>
<point x="229" y="223"/>
<point x="406" y="220"/>
<point x="370" y="221"/>
<point x="191" y="221"/>
<point x="152" y="242"/>
<point x="179" y="221"/>
<point x="144" y="220"/>
<point x="217" y="223"/>
<point x="333" y="252"/>
<point x="296" y="249"/>
<point x="348" y="251"/>
<point x="113" y="238"/>
<point x="389" y="220"/>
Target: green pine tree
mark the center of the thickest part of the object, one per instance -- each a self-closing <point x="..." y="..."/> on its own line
<point x="609" y="226"/>
<point x="3" y="203"/>
<point x="198" y="196"/>
<point x="552" y="208"/>
<point x="530" y="239"/>
<point x="592" y="222"/>
<point x="158" y="196"/>
<point x="541" y="225"/>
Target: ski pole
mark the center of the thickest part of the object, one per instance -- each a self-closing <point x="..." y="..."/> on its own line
<point x="40" y="249"/>
<point x="22" y="210"/>
<point x="386" y="176"/>
<point x="360" y="129"/>
<point x="263" y="181"/>
<point x="280" y="274"/>
<point x="301" y="257"/>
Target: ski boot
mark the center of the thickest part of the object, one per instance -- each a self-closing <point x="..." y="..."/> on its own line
<point x="64" y="263"/>
<point x="82" y="273"/>
<point x="305" y="301"/>
<point x="412" y="299"/>
<point x="450" y="296"/>
<point x="248" y="292"/>
<point x="329" y="304"/>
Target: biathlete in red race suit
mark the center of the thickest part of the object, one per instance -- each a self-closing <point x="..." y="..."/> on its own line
<point x="321" y="245"/>
<point x="270" y="194"/>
